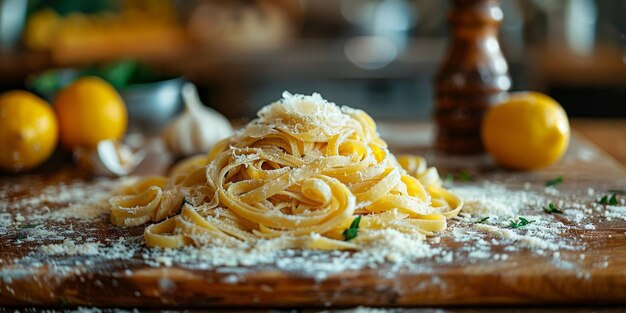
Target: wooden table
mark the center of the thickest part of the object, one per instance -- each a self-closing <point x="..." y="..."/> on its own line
<point x="608" y="134"/>
<point x="523" y="278"/>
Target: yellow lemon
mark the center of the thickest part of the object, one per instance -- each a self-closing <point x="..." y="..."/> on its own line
<point x="89" y="111"/>
<point x="527" y="131"/>
<point x="28" y="130"/>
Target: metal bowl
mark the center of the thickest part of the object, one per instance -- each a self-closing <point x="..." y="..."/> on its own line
<point x="151" y="105"/>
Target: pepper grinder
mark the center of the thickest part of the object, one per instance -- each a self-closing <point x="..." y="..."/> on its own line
<point x="472" y="77"/>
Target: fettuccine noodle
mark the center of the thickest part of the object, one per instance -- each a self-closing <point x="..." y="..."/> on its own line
<point x="302" y="171"/>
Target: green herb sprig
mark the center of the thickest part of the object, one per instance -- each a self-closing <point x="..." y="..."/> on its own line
<point x="551" y="208"/>
<point x="482" y="220"/>
<point x="606" y="200"/>
<point x="520" y="223"/>
<point x="555" y="181"/>
<point x="353" y="230"/>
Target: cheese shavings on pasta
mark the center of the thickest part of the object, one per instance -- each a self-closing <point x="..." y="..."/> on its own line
<point x="301" y="172"/>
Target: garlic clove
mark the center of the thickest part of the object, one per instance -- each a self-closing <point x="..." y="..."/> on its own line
<point x="110" y="158"/>
<point x="197" y="129"/>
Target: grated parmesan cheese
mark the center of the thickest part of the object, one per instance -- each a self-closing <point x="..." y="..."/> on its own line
<point x="69" y="247"/>
<point x="613" y="211"/>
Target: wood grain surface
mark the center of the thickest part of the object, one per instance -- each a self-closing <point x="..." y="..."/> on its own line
<point x="608" y="134"/>
<point x="525" y="278"/>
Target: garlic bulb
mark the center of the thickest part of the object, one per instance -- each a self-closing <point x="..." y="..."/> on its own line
<point x="197" y="129"/>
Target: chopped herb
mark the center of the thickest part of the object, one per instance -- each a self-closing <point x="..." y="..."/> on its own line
<point x="522" y="222"/>
<point x="554" y="182"/>
<point x="551" y="208"/>
<point x="29" y="225"/>
<point x="482" y="220"/>
<point x="21" y="237"/>
<point x="465" y="176"/>
<point x="606" y="200"/>
<point x="613" y="200"/>
<point x="353" y="230"/>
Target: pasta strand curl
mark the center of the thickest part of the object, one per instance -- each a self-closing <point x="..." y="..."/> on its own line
<point x="301" y="172"/>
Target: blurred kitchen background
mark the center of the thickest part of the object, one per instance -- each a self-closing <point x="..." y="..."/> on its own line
<point x="378" y="55"/>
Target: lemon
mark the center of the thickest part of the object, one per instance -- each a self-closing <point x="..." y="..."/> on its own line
<point x="28" y="130"/>
<point x="89" y="111"/>
<point x="527" y="131"/>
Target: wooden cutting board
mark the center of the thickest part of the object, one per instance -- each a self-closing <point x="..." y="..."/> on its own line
<point x="525" y="277"/>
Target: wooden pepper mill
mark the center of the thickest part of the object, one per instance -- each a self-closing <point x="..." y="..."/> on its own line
<point x="472" y="77"/>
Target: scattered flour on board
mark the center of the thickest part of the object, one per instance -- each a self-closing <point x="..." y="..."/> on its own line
<point x="69" y="247"/>
<point x="617" y="212"/>
<point x="496" y="206"/>
<point x="494" y="200"/>
<point x="546" y="234"/>
<point x="387" y="247"/>
<point x="79" y="200"/>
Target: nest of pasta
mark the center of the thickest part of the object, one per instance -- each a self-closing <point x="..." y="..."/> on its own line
<point x="305" y="172"/>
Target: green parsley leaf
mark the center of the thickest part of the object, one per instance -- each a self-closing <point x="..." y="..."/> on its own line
<point x="551" y="208"/>
<point x="606" y="200"/>
<point x="555" y="181"/>
<point x="522" y="222"/>
<point x="482" y="220"/>
<point x="21" y="237"/>
<point x="353" y="230"/>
